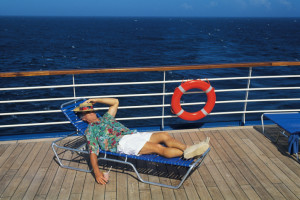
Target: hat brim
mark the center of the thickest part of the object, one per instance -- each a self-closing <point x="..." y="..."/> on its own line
<point x="84" y="107"/>
<point x="78" y="110"/>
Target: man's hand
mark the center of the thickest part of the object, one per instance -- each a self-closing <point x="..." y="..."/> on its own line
<point x="98" y="174"/>
<point x="92" y="101"/>
<point x="112" y="102"/>
<point x="100" y="178"/>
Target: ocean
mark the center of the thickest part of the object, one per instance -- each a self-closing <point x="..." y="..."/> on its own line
<point x="52" y="43"/>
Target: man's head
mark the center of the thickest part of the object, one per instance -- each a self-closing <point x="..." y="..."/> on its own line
<point x="86" y="112"/>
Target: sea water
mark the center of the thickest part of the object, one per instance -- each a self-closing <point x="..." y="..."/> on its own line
<point x="54" y="43"/>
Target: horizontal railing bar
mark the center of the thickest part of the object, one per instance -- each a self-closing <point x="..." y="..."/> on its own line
<point x="257" y="89"/>
<point x="34" y="124"/>
<point x="151" y="117"/>
<point x="145" y="95"/>
<point x="155" y="106"/>
<point x="142" y="83"/>
<point x="147" y="69"/>
<point x="30" y="112"/>
<point x="86" y="85"/>
<point x="253" y="77"/>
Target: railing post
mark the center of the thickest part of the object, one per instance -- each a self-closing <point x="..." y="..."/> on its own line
<point x="163" y="102"/>
<point x="246" y="96"/>
<point x="74" y="88"/>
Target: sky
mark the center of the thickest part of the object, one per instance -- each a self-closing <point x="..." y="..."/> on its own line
<point x="152" y="8"/>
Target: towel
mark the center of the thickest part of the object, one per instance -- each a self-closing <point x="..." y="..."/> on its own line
<point x="294" y="143"/>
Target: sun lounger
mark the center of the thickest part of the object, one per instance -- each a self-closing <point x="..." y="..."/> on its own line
<point x="67" y="109"/>
<point x="288" y="122"/>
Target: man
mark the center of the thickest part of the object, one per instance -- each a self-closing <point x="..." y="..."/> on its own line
<point x="110" y="135"/>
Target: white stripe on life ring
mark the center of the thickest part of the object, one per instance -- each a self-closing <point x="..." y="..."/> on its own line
<point x="180" y="112"/>
<point x="209" y="89"/>
<point x="204" y="112"/>
<point x="181" y="89"/>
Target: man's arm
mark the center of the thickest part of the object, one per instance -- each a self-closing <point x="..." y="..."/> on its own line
<point x="98" y="174"/>
<point x="112" y="102"/>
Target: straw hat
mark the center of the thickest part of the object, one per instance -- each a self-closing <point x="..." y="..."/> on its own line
<point x="84" y="107"/>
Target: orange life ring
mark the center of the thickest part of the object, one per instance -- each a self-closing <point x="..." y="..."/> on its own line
<point x="179" y="91"/>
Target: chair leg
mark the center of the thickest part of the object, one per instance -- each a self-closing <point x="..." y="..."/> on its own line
<point x="277" y="138"/>
<point x="53" y="145"/>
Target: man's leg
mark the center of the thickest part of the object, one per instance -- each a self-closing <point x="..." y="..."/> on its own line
<point x="159" y="149"/>
<point x="174" y="147"/>
<point x="169" y="141"/>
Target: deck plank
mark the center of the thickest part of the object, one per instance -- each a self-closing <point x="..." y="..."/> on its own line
<point x="9" y="173"/>
<point x="274" y="148"/>
<point x="111" y="187"/>
<point x="224" y="170"/>
<point x="6" y="154"/>
<point x="99" y="191"/>
<point x="242" y="164"/>
<point x="167" y="193"/>
<point x="199" y="183"/>
<point x="52" y="168"/>
<point x="67" y="184"/>
<point x="189" y="186"/>
<point x="25" y="183"/>
<point x="88" y="188"/>
<point x="12" y="158"/>
<point x="226" y="159"/>
<point x="274" y="169"/>
<point x="215" y="193"/>
<point x="259" y="169"/>
<point x="79" y="180"/>
<point x="33" y="188"/>
<point x="59" y="178"/>
<point x="122" y="184"/>
<point x="237" y="155"/>
<point x="250" y="192"/>
<point x="17" y="179"/>
<point x="3" y="148"/>
<point x="133" y="185"/>
<point x="23" y="156"/>
<point x="156" y="192"/>
<point x="255" y="158"/>
<point x="216" y="174"/>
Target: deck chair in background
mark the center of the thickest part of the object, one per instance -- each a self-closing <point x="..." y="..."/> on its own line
<point x="67" y="109"/>
<point x="288" y="122"/>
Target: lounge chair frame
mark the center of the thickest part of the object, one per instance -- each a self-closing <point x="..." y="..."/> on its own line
<point x="191" y="164"/>
<point x="284" y="127"/>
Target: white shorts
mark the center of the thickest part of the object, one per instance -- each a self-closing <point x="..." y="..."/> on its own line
<point x="132" y="144"/>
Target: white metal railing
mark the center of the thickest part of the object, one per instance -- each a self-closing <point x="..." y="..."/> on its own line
<point x="162" y="104"/>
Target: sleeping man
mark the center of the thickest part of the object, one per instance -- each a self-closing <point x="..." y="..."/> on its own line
<point x="110" y="135"/>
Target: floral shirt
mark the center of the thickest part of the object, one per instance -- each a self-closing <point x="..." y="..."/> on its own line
<point x="105" y="134"/>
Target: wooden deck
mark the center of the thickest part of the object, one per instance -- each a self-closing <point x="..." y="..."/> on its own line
<point x="243" y="164"/>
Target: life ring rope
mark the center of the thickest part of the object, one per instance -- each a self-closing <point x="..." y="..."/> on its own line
<point x="182" y="89"/>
